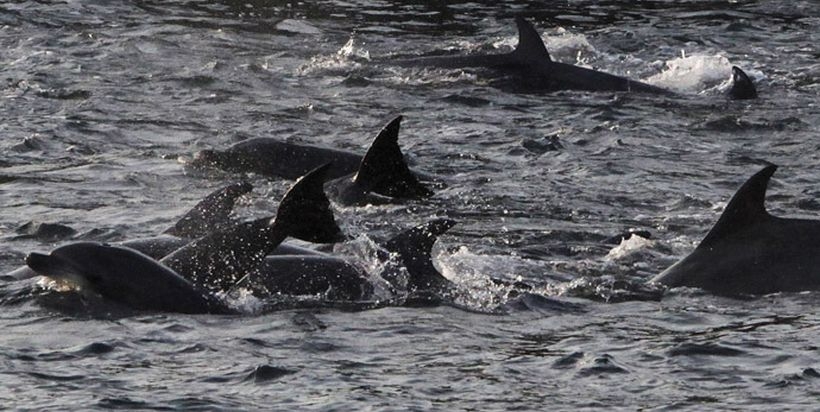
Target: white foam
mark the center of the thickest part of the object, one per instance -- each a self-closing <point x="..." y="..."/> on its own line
<point x="346" y="58"/>
<point x="629" y="247"/>
<point x="695" y="73"/>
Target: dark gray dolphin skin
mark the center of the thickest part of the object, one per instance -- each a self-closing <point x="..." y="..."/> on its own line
<point x="749" y="251"/>
<point x="742" y="86"/>
<point x="181" y="281"/>
<point x="216" y="261"/>
<point x="382" y="176"/>
<point x="534" y="71"/>
<point x="339" y="279"/>
<point x="273" y="158"/>
<point x="209" y="214"/>
<point x="124" y="276"/>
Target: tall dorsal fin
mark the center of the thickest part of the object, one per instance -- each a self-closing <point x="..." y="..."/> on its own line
<point x="383" y="169"/>
<point x="742" y="85"/>
<point x="305" y="209"/>
<point x="210" y="213"/>
<point x="746" y="207"/>
<point x="530" y="46"/>
<point x="414" y="246"/>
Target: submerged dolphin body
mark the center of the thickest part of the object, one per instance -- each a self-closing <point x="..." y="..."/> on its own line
<point x="533" y="70"/>
<point x="340" y="279"/>
<point x="749" y="251"/>
<point x="182" y="281"/>
<point x="274" y="158"/>
<point x="209" y="214"/>
<point x="380" y="176"/>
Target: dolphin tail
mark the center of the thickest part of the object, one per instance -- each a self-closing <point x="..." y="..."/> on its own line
<point x="383" y="169"/>
<point x="530" y="46"/>
<point x="742" y="85"/>
<point x="210" y="213"/>
<point x="414" y="247"/>
<point x="305" y="210"/>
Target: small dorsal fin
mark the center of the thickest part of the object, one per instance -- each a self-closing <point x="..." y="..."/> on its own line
<point x="414" y="246"/>
<point x="742" y="85"/>
<point x="745" y="208"/>
<point x="210" y="213"/>
<point x="383" y="169"/>
<point x="530" y="45"/>
<point x="305" y="209"/>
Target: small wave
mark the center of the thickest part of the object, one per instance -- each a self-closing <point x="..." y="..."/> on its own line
<point x="694" y="73"/>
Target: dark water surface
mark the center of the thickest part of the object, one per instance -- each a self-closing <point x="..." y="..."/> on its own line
<point x="100" y="100"/>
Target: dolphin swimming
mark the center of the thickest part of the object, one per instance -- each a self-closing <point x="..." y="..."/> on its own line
<point x="749" y="251"/>
<point x="340" y="279"/>
<point x="533" y="70"/>
<point x="209" y="214"/>
<point x="380" y="176"/>
<point x="184" y="280"/>
<point x="274" y="158"/>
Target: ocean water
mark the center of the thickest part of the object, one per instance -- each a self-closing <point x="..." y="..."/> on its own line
<point x="103" y="101"/>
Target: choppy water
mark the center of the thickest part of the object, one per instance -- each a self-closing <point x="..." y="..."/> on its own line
<point x="100" y="98"/>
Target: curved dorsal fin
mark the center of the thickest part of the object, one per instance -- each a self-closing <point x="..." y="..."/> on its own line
<point x="383" y="169"/>
<point x="210" y="213"/>
<point x="746" y="207"/>
<point x="305" y="209"/>
<point x="530" y="46"/>
<point x="742" y="86"/>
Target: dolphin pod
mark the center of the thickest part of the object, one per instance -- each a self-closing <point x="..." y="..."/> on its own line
<point x="187" y="279"/>
<point x="205" y="253"/>
<point x="534" y="70"/>
<point x="184" y="280"/>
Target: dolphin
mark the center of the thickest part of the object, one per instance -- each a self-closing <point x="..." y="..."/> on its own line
<point x="340" y="279"/>
<point x="533" y="70"/>
<point x="273" y="158"/>
<point x="175" y="284"/>
<point x="125" y="276"/>
<point x="749" y="251"/>
<point x="382" y="177"/>
<point x="207" y="215"/>
<point x="216" y="261"/>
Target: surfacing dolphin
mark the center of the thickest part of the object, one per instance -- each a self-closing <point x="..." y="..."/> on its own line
<point x="749" y="251"/>
<point x="207" y="215"/>
<point x="533" y="69"/>
<point x="382" y="176"/>
<point x="184" y="280"/>
<point x="340" y="279"/>
<point x="274" y="158"/>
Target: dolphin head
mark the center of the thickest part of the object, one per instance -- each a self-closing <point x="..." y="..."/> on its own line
<point x="122" y="275"/>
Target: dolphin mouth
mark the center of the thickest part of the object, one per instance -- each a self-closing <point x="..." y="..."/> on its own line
<point x="55" y="268"/>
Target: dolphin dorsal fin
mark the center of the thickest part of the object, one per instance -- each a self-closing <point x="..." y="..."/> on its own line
<point x="210" y="213"/>
<point x="305" y="209"/>
<point x="745" y="208"/>
<point x="742" y="86"/>
<point x="383" y="169"/>
<point x="530" y="46"/>
<point x="414" y="246"/>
